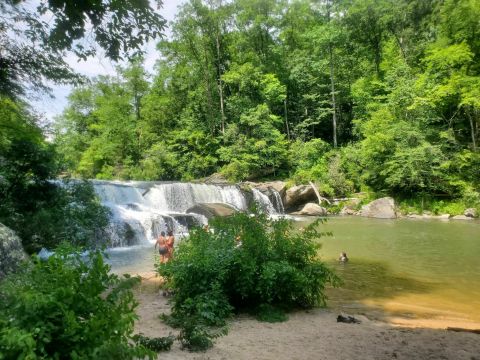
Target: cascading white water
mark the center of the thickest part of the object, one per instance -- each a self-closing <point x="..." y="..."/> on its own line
<point x="277" y="202"/>
<point x="263" y="202"/>
<point x="141" y="210"/>
<point x="179" y="197"/>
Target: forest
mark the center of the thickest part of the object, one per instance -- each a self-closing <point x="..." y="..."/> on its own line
<point x="362" y="98"/>
<point x="368" y="95"/>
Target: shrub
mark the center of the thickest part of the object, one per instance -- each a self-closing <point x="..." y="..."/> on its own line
<point x="65" y="308"/>
<point x="155" y="344"/>
<point x="270" y="269"/>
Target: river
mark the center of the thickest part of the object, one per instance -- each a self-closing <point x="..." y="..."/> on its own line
<point x="403" y="271"/>
<point x="410" y="272"/>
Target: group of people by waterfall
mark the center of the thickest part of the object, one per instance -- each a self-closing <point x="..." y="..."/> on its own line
<point x="165" y="246"/>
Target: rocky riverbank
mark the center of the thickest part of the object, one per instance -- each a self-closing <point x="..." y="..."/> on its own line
<point x="305" y="200"/>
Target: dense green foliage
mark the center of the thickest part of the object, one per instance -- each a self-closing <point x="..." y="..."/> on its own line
<point x="380" y="95"/>
<point x="34" y="37"/>
<point x="268" y="269"/>
<point x="42" y="212"/>
<point x="68" y="308"/>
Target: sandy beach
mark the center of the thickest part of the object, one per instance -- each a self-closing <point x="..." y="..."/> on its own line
<point x="312" y="334"/>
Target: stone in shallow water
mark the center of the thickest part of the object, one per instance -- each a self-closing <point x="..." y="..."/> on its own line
<point x="462" y="217"/>
<point x="312" y="209"/>
<point x="471" y="213"/>
<point x="298" y="195"/>
<point x="383" y="208"/>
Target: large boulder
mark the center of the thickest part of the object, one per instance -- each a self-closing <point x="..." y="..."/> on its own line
<point x="298" y="195"/>
<point x="311" y="209"/>
<point x="210" y="210"/>
<point x="383" y="208"/>
<point x="279" y="186"/>
<point x="471" y="213"/>
<point x="461" y="217"/>
<point x="11" y="251"/>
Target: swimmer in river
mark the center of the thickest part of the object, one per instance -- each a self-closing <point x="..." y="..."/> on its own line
<point x="343" y="257"/>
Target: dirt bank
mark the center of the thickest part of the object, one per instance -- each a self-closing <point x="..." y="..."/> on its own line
<point x="313" y="334"/>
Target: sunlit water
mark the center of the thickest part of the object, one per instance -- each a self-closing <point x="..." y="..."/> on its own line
<point x="413" y="272"/>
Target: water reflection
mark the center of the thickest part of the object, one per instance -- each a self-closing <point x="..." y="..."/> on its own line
<point x="405" y="268"/>
<point x="398" y="269"/>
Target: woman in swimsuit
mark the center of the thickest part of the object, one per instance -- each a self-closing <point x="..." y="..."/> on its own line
<point x="170" y="242"/>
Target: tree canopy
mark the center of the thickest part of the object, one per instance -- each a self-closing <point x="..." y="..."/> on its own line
<point x="36" y="37"/>
<point x="351" y="94"/>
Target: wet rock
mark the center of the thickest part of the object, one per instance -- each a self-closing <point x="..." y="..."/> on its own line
<point x="471" y="213"/>
<point x="350" y="207"/>
<point x="311" y="209"/>
<point x="383" y="208"/>
<point x="279" y="186"/>
<point x="429" y="217"/>
<point x="461" y="217"/>
<point x="274" y="190"/>
<point x="11" y="251"/>
<point x="298" y="195"/>
<point x="348" y="211"/>
<point x="212" y="209"/>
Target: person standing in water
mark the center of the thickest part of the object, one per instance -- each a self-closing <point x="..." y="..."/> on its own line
<point x="170" y="242"/>
<point x="343" y="257"/>
<point x="163" y="249"/>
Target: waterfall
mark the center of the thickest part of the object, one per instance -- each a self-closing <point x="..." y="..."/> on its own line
<point x="277" y="201"/>
<point x="264" y="203"/>
<point x="179" y="197"/>
<point x="141" y="210"/>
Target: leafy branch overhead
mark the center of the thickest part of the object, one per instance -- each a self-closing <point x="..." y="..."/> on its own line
<point x="35" y="38"/>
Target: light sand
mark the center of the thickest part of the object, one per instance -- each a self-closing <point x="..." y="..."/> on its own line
<point x="313" y="334"/>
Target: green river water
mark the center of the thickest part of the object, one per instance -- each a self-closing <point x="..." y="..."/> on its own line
<point x="417" y="272"/>
<point x="403" y="271"/>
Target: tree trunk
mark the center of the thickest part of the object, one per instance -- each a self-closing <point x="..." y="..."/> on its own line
<point x="220" y="85"/>
<point x="472" y="131"/>
<point x="286" y="118"/>
<point x="319" y="197"/>
<point x="332" y="82"/>
<point x="334" y="104"/>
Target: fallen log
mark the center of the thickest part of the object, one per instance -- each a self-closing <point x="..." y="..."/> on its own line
<point x="320" y="198"/>
<point x="475" y="331"/>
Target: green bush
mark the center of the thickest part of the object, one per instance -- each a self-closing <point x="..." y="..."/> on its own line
<point x="315" y="161"/>
<point x="433" y="205"/>
<point x="213" y="275"/>
<point x="65" y="308"/>
<point x="155" y="344"/>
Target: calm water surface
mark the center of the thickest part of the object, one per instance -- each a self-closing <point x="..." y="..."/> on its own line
<point x="407" y="271"/>
<point x="404" y="271"/>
